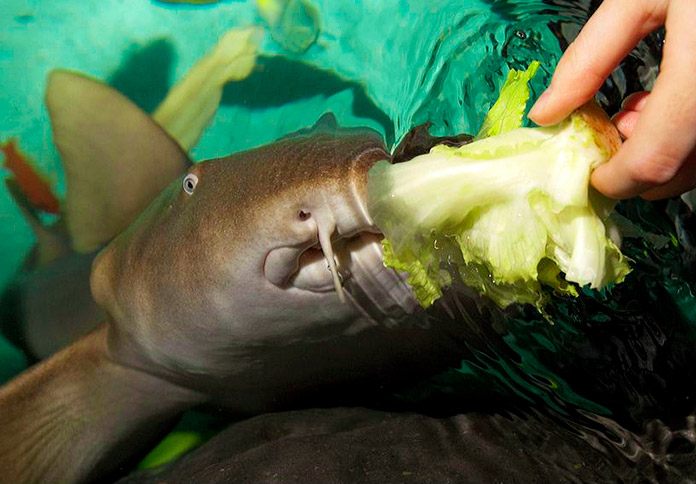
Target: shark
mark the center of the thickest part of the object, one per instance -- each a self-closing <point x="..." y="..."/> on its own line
<point x="253" y="282"/>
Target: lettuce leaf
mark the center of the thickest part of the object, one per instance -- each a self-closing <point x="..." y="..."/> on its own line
<point x="508" y="111"/>
<point x="512" y="211"/>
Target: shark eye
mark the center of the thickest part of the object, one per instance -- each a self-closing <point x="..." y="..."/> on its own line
<point x="190" y="183"/>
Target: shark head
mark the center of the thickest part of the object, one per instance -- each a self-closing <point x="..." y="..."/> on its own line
<point x="260" y="269"/>
<point x="270" y="246"/>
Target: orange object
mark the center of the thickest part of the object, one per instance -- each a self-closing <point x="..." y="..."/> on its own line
<point x="33" y="184"/>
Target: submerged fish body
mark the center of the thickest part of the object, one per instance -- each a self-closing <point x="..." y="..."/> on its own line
<point x="102" y="198"/>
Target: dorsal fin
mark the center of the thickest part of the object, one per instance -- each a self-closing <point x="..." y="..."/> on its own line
<point x="116" y="158"/>
<point x="419" y="141"/>
<point x="326" y="122"/>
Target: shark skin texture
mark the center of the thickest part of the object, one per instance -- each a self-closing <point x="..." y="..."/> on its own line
<point x="252" y="282"/>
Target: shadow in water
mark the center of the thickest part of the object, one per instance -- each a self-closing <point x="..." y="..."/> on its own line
<point x="278" y="80"/>
<point x="145" y="74"/>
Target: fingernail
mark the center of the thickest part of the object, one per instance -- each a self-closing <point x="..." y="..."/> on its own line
<point x="541" y="102"/>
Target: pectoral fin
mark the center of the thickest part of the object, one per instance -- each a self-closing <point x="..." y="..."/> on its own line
<point x="78" y="415"/>
<point x="116" y="158"/>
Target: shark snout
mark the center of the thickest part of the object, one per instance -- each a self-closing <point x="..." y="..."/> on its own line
<point x="339" y="251"/>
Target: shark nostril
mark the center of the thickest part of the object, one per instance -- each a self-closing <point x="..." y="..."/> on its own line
<point x="302" y="215"/>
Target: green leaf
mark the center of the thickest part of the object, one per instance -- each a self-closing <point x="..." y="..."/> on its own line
<point x="508" y="111"/>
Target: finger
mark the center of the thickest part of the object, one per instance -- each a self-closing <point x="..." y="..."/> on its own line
<point x="683" y="181"/>
<point x="665" y="134"/>
<point x="611" y="33"/>
<point x="626" y="122"/>
<point x="627" y="119"/>
<point x="635" y="101"/>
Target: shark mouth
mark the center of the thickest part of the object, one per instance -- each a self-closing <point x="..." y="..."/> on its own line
<point x="341" y="253"/>
<point x="353" y="268"/>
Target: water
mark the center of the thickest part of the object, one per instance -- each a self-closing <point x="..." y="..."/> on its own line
<point x="616" y="367"/>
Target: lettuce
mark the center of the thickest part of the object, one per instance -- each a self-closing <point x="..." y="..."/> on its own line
<point x="508" y="111"/>
<point x="512" y="212"/>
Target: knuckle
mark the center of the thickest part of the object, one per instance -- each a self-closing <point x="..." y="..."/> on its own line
<point x="652" y="12"/>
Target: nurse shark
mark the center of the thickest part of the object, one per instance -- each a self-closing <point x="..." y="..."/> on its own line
<point x="253" y="282"/>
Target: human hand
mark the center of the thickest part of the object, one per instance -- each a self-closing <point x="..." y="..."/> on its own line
<point x="658" y="159"/>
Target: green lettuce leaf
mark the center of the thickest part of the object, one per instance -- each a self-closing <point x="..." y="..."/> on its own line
<point x="423" y="274"/>
<point x="512" y="211"/>
<point x="508" y="111"/>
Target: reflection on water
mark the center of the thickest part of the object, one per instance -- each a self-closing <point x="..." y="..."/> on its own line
<point x="617" y="367"/>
